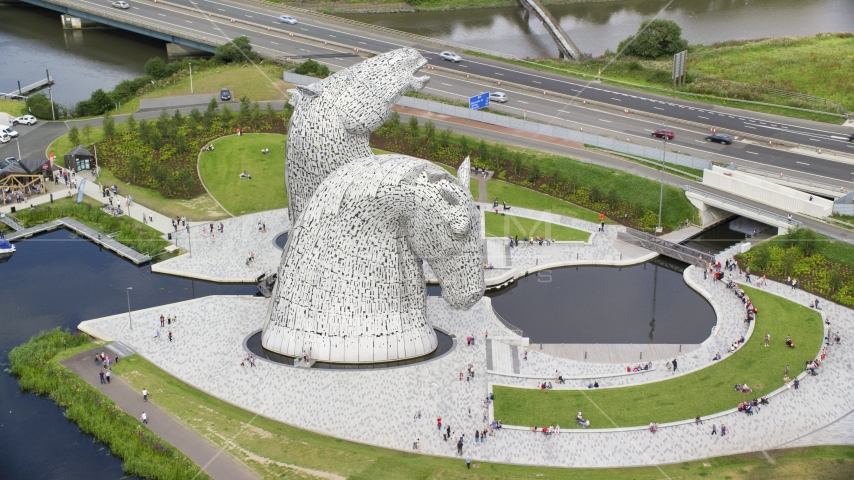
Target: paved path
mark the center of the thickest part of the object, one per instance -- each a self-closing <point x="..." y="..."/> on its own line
<point x="214" y="461"/>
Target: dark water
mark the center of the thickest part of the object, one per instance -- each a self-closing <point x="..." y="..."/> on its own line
<point x="595" y="27"/>
<point x="445" y="343"/>
<point x="720" y="237"/>
<point x="647" y="303"/>
<point x="80" y="61"/>
<point x="56" y="280"/>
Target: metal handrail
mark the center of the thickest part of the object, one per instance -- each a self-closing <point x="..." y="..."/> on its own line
<point x="691" y="252"/>
<point x="788" y="178"/>
<point x="750" y="208"/>
<point x="510" y="326"/>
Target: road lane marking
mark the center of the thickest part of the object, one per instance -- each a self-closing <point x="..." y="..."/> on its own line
<point x="447" y="84"/>
<point x="748" y="126"/>
<point x="802" y="163"/>
<point x="499" y="74"/>
<point x="188" y="21"/>
<point x="274" y="43"/>
<point x="250" y="16"/>
<point x="606" y="121"/>
<point x="617" y="99"/>
<point x="536" y="81"/>
<point x="363" y="43"/>
<point x="658" y="108"/>
<point x="520" y="101"/>
<point x="221" y="9"/>
<point x="703" y="117"/>
<point x="754" y="153"/>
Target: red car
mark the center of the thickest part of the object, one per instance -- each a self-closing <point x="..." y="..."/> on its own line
<point x="668" y="134"/>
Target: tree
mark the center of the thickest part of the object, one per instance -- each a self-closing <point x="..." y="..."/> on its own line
<point x="244" y="112"/>
<point x="225" y="116"/>
<point x="212" y="106"/>
<point x="131" y="123"/>
<point x="312" y="68"/>
<point x="155" y="67"/>
<point x="271" y="114"/>
<point x="534" y="173"/>
<point x="483" y="150"/>
<point x="74" y="135"/>
<point x="87" y="133"/>
<point x="39" y="105"/>
<point x="144" y="130"/>
<point x="196" y="115"/>
<point x="516" y="161"/>
<point x="155" y="139"/>
<point x="255" y="116"/>
<point x="192" y="126"/>
<point x="134" y="166"/>
<point x="109" y="125"/>
<point x="429" y="130"/>
<point x="445" y="137"/>
<point x="100" y="102"/>
<point x="236" y="50"/>
<point x="394" y="120"/>
<point x="760" y="259"/>
<point x="413" y="125"/>
<point x="177" y="119"/>
<point x="655" y="38"/>
<point x="180" y="142"/>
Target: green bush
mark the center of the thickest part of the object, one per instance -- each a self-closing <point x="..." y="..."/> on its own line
<point x="39" y="105"/>
<point x="145" y="454"/>
<point x="237" y="50"/>
<point x="312" y="69"/>
<point x="655" y="38"/>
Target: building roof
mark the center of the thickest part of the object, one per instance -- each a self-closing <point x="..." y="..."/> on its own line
<point x="80" y="151"/>
<point x="33" y="166"/>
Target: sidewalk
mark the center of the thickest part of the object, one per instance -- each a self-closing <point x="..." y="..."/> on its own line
<point x="211" y="459"/>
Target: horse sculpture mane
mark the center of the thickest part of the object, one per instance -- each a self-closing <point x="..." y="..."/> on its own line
<point x="351" y="285"/>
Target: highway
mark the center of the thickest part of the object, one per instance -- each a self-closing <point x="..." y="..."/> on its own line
<point x="193" y="19"/>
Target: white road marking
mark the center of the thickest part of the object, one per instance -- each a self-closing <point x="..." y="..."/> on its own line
<point x="188" y="21"/>
<point x="606" y="121"/>
<point x="703" y="117"/>
<point x="538" y="82"/>
<point x="499" y="74"/>
<point x="802" y="163"/>
<point x="250" y="16"/>
<point x="274" y="43"/>
<point x="221" y="9"/>
<point x="814" y="140"/>
<point x="161" y="15"/>
<point x="447" y="84"/>
<point x="333" y="36"/>
<point x="754" y="153"/>
<point x="658" y="108"/>
<point x="748" y="126"/>
<point x="363" y="43"/>
<point x="617" y="99"/>
<point x="520" y="101"/>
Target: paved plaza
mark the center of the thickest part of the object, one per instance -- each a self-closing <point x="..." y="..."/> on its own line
<point x="343" y="403"/>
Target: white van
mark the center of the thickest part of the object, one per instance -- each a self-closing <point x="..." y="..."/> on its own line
<point x="8" y="131"/>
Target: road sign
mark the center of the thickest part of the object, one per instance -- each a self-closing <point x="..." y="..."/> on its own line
<point x="679" y="68"/>
<point x="479" y="101"/>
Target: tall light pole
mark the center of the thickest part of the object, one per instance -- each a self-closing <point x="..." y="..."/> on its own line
<point x="661" y="192"/>
<point x="191" y="77"/>
<point x="129" y="316"/>
<point x="52" y="112"/>
<point x="19" y="147"/>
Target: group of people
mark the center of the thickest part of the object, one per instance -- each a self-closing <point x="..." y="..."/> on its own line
<point x="7" y="195"/>
<point x="178" y="222"/>
<point x="496" y="207"/>
<point x="104" y="362"/>
<point x="639" y="367"/>
<point x="551" y="430"/>
<point x="514" y="241"/>
<point x="544" y="386"/>
<point x="469" y="373"/>
<point x="248" y="359"/>
<point x="751" y="406"/>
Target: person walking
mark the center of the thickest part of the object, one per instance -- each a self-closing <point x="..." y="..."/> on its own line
<point x="786" y="373"/>
<point x="439" y="423"/>
<point x="144" y="418"/>
<point x="674" y="365"/>
<point x="108" y="376"/>
<point x="101" y="375"/>
<point x="414" y="442"/>
<point x="714" y="429"/>
<point x="468" y="463"/>
<point x="144" y="395"/>
<point x="767" y="338"/>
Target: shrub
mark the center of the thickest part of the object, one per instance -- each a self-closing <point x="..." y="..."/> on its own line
<point x="654" y="39"/>
<point x="312" y="69"/>
<point x="155" y="68"/>
<point x="39" y="105"/>
<point x="74" y="135"/>
<point x="236" y="50"/>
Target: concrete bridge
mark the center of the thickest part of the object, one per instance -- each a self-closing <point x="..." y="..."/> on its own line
<point x="564" y="43"/>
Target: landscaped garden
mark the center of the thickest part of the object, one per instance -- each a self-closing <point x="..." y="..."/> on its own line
<point x="145" y="455"/>
<point x="510" y="225"/>
<point x="703" y="392"/>
<point x="233" y="155"/>
<point x="820" y="266"/>
<point x="130" y="232"/>
<point x="625" y="198"/>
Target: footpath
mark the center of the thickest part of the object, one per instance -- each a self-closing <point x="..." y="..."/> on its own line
<point x="212" y="459"/>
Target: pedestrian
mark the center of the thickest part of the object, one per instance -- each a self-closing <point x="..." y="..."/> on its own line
<point x="468" y="463"/>
<point x="161" y="320"/>
<point x="797" y="383"/>
<point x="144" y="395"/>
<point x="767" y="338"/>
<point x="414" y="442"/>
<point x="101" y="375"/>
<point x="460" y="446"/>
<point x="714" y="429"/>
<point x="674" y="365"/>
<point x="144" y="418"/>
<point x="439" y="423"/>
<point x="97" y="360"/>
<point x="170" y="335"/>
<point x="183" y="220"/>
<point x="525" y="355"/>
<point x="108" y="377"/>
<point x="787" y="371"/>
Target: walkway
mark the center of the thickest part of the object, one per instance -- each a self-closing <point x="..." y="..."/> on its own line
<point x="212" y="459"/>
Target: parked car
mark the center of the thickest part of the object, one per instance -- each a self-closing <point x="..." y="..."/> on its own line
<point x="4" y="138"/>
<point x="451" y="57"/>
<point x="122" y="5"/>
<point x="668" y="134"/>
<point x="28" y="120"/>
<point x="8" y="131"/>
<point x="288" y="19"/>
<point x="6" y="119"/>
<point x="225" y="95"/>
<point x="498" y="97"/>
<point x="851" y="138"/>
<point x="719" y="138"/>
<point x="8" y="161"/>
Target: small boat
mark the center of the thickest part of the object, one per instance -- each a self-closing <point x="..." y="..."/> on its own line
<point x="6" y="247"/>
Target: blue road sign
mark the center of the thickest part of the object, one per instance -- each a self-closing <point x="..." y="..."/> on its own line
<point x="479" y="101"/>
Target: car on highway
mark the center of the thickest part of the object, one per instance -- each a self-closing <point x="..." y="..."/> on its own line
<point x="498" y="97"/>
<point x="719" y="138"/>
<point x="288" y="19"/>
<point x="225" y="95"/>
<point x="122" y="5"/>
<point x="27" y="120"/>
<point x="668" y="134"/>
<point x="450" y="56"/>
<point x="4" y="130"/>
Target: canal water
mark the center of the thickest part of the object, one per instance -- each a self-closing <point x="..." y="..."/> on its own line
<point x="595" y="27"/>
<point x="55" y="280"/>
<point x="646" y="303"/>
<point x="32" y="39"/>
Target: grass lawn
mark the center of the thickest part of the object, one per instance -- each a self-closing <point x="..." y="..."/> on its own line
<point x="12" y="107"/>
<point x="200" y="208"/>
<point x="262" y="83"/>
<point x="220" y="171"/>
<point x="510" y="225"/>
<point x="273" y="449"/>
<point x="704" y="392"/>
<point x="517" y="196"/>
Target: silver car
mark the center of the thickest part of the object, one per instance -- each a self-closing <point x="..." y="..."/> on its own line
<point x="450" y="56"/>
<point x="27" y="120"/>
<point x="122" y="5"/>
<point x="498" y="97"/>
<point x="288" y="19"/>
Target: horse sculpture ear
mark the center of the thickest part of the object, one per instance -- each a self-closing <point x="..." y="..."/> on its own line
<point x="463" y="174"/>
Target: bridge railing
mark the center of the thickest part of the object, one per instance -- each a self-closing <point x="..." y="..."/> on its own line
<point x="665" y="247"/>
<point x="790" y="179"/>
<point x="750" y="208"/>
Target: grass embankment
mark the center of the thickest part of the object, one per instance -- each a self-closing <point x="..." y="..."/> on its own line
<point x="517" y="196"/>
<point x="511" y="225"/>
<point x="132" y="233"/>
<point x="36" y="364"/>
<point x="273" y="449"/>
<point x="818" y="65"/>
<point x="12" y="107"/>
<point x="628" y="199"/>
<point x="703" y="392"/>
<point x="232" y="155"/>
<point x="257" y="84"/>
<point x="820" y="266"/>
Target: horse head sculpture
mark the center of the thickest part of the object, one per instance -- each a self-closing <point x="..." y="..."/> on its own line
<point x="351" y="284"/>
<point x="333" y="118"/>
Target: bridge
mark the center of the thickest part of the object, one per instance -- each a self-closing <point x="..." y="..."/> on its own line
<point x="665" y="247"/>
<point x="564" y="43"/>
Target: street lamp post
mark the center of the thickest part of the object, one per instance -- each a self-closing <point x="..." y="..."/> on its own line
<point x="129" y="315"/>
<point x="661" y="191"/>
<point x="52" y="112"/>
<point x="191" y="77"/>
<point x="19" y="148"/>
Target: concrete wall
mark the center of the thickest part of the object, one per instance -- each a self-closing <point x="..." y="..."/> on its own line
<point x="757" y="189"/>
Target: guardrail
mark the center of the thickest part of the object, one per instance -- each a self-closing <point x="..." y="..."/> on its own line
<point x="665" y="247"/>
<point x="11" y="221"/>
<point x="788" y="178"/>
<point x="510" y="326"/>
<point x="743" y="206"/>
